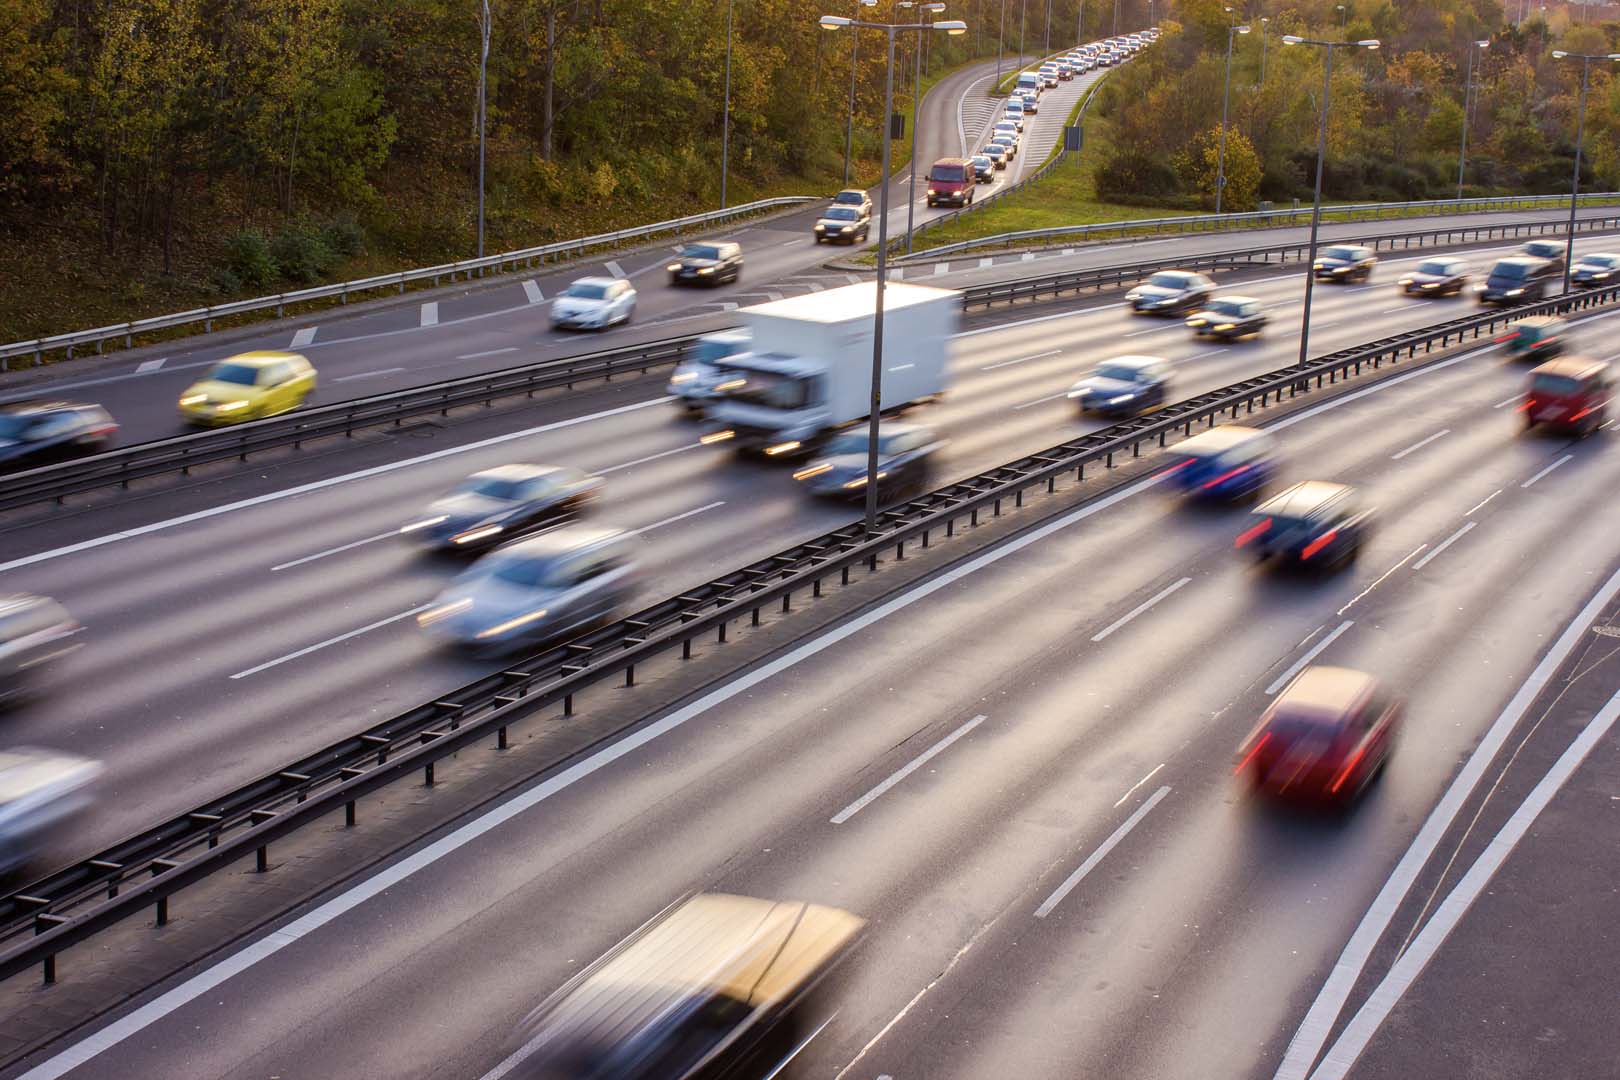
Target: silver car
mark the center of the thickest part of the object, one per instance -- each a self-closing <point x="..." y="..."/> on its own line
<point x="594" y="303"/>
<point x="537" y="589"/>
<point x="694" y="378"/>
<point x="34" y="632"/>
<point x="40" y="791"/>
<point x="500" y="504"/>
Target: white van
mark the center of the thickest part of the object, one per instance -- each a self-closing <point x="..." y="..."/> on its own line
<point x="1029" y="80"/>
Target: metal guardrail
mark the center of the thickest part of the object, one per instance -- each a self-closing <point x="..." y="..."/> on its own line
<point x="342" y="290"/>
<point x="54" y="483"/>
<point x="145" y="871"/>
<point x="1250" y="219"/>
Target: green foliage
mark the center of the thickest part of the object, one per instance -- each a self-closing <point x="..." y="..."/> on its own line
<point x="248" y="259"/>
<point x="302" y="254"/>
<point x="1131" y="175"/>
<point x="344" y="235"/>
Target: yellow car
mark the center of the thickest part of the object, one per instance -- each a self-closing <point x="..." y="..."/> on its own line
<point x="249" y="386"/>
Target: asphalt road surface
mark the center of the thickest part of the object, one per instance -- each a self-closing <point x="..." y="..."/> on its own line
<point x="1018" y="772"/>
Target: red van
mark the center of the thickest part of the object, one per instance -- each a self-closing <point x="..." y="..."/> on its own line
<point x="1568" y="394"/>
<point x="951" y="181"/>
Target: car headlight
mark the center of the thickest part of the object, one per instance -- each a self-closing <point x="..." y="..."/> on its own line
<point x="1133" y="295"/>
<point x="1430" y="284"/>
<point x="472" y="536"/>
<point x="1080" y="392"/>
<point x="1120" y="399"/>
<point x="1341" y="269"/>
<point x="812" y="471"/>
<point x="820" y="227"/>
<point x="847" y="228"/>
<point x="1601" y="275"/>
<point x="1406" y="281"/>
<point x="673" y="267"/>
<point x="1318" y="266"/>
<point x="1224" y="327"/>
<point x="682" y="377"/>
<point x="194" y="399"/>
<point x="440" y="612"/>
<point x="1514" y="292"/>
<point x="511" y="624"/>
<point x="1196" y="322"/>
<point x="425" y="523"/>
<point x="705" y="269"/>
<point x="232" y="406"/>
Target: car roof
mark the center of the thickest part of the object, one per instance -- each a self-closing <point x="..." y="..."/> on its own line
<point x="1220" y="439"/>
<point x="1596" y="255"/>
<point x="1573" y="367"/>
<point x="30" y="408"/>
<point x="1303" y="498"/>
<point x="517" y="472"/>
<point x="1134" y="361"/>
<point x="852" y="191"/>
<point x="564" y="540"/>
<point x="1183" y="273"/>
<point x="1522" y="260"/>
<point x="1324" y="692"/>
<point x="1346" y="247"/>
<point x="593" y="281"/>
<point x="1234" y="299"/>
<point x="261" y="357"/>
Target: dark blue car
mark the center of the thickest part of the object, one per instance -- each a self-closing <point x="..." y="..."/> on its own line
<point x="1228" y="462"/>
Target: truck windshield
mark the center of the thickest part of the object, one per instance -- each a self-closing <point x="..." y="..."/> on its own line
<point x="771" y="390"/>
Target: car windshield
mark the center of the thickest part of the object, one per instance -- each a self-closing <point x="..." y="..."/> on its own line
<point x="544" y="572"/>
<point x="708" y="350"/>
<point x="700" y="251"/>
<point x="1544" y="248"/>
<point x="947" y="172"/>
<point x="1226" y="307"/>
<point x="1121" y="373"/>
<point x="772" y="390"/>
<point x="1557" y="385"/>
<point x="1339" y="253"/>
<point x="854" y="198"/>
<point x="981" y="161"/>
<point x="1168" y="281"/>
<point x="1515" y="271"/>
<point x="850" y="442"/>
<point x="12" y="426"/>
<point x="1438" y="267"/>
<point x="841" y="213"/>
<point x="491" y="487"/>
<point x="585" y="291"/>
<point x="241" y="374"/>
<point x="1602" y="260"/>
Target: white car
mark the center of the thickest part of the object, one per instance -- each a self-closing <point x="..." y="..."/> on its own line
<point x="1015" y="112"/>
<point x="594" y="303"/>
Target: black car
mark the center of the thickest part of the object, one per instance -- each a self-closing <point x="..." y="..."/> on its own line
<point x="1123" y="386"/>
<point x="984" y="169"/>
<point x="1313" y="524"/>
<point x="1344" y="262"/>
<point x="1228" y="318"/>
<point x="495" y="505"/>
<point x="1597" y="269"/>
<point x="842" y="223"/>
<point x="1171" y="292"/>
<point x="1436" y="277"/>
<point x="1551" y="250"/>
<point x="905" y="455"/>
<point x="35" y="433"/>
<point x="1519" y="279"/>
<point x="706" y="264"/>
<point x="997" y="154"/>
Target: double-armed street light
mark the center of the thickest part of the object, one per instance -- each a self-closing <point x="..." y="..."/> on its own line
<point x="928" y="11"/>
<point x="1226" y="97"/>
<point x="854" y="57"/>
<point x="1580" y="132"/>
<point x="1468" y="89"/>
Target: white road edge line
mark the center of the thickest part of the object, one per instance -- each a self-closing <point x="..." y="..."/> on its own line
<point x="1138" y="609"/>
<point x="333" y="551"/>
<point x="1315" y="650"/>
<point x="1020" y="360"/>
<point x="1313" y="1031"/>
<point x="1348" y="1047"/>
<point x="306" y="650"/>
<point x="1447" y="542"/>
<point x="678" y="517"/>
<point x="1041" y="401"/>
<point x="367" y="374"/>
<point x="487" y="352"/>
<point x="1102" y="851"/>
<point x="1420" y="444"/>
<point x="904" y="771"/>
<point x="1410" y="555"/>
<point x="1138" y="784"/>
<point x="1547" y="470"/>
<point x="315" y="485"/>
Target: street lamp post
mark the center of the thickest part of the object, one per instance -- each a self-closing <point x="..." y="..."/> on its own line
<point x="1048" y="27"/>
<point x="1468" y="89"/>
<point x="928" y="11"/>
<point x="1343" y="15"/>
<point x="1116" y="19"/>
<point x="1226" y="97"/>
<point x="1001" y="38"/>
<point x="725" y="124"/>
<point x="483" y="69"/>
<point x="854" y="57"/>
<point x="1580" y="132"/>
<point x="1321" y="151"/>
<point x="953" y="27"/>
<point x="1263" y="21"/>
<point x="1080" y="23"/>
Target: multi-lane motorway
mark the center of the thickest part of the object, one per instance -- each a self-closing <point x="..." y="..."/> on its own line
<point x="1062" y="880"/>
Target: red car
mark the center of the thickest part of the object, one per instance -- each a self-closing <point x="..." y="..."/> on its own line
<point x="951" y="181"/>
<point x="1570" y="394"/>
<point x="1324" y="737"/>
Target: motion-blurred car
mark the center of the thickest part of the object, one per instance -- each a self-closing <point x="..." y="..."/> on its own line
<point x="1344" y="262"/>
<point x="842" y="224"/>
<point x="694" y="379"/>
<point x="35" y="632"/>
<point x="860" y="200"/>
<point x="1229" y="318"/>
<point x="35" y="433"/>
<point x="1312" y="524"/>
<point x="1551" y="250"/>
<point x="706" y="264"/>
<point x="40" y="792"/>
<point x="1517" y="279"/>
<point x="715" y="986"/>
<point x="1171" y="292"/>
<point x="984" y="168"/>
<point x="1226" y="462"/>
<point x="1436" y="277"/>
<point x="536" y="590"/>
<point x="1123" y="386"/>
<point x="594" y="303"/>
<point x="1595" y="270"/>
<point x="905" y="455"/>
<point x="1569" y="394"/>
<point x="1538" y="338"/>
<point x="1324" y="738"/>
<point x="248" y="386"/>
<point x="500" y="504"/>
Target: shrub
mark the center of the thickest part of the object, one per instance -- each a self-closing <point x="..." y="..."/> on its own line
<point x="302" y="254"/>
<point x="344" y="235"/>
<point x="249" y="260"/>
<point x="1130" y="175"/>
<point x="223" y="282"/>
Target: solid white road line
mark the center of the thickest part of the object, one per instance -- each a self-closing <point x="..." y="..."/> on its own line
<point x="1122" y="799"/>
<point x="1483" y="501"/>
<point x="1039" y="401"/>
<point x="430" y="314"/>
<point x="1313" y="1031"/>
<point x="304" y="337"/>
<point x="367" y="374"/>
<point x="1155" y="330"/>
<point x="615" y="269"/>
<point x="650" y="457"/>
<point x="1547" y="470"/>
<point x="677" y="517"/>
<point x="333" y="551"/>
<point x="1509" y="401"/>
<point x="1020" y="360"/>
<point x="146" y="367"/>
<point x="1414" y="553"/>
<point x="904" y="771"/>
<point x="1447" y="542"/>
<point x="1138" y="609"/>
<point x="487" y="352"/>
<point x="1359" y="1032"/>
<point x="1420" y="444"/>
<point x="531" y="289"/>
<point x="1315" y="650"/>
<point x="318" y="646"/>
<point x="1102" y="851"/>
<point x="315" y="485"/>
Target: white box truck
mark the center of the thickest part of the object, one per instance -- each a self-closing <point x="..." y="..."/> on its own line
<point x="809" y="371"/>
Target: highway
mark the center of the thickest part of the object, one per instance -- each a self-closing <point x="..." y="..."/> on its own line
<point x="1041" y="826"/>
<point x="238" y="623"/>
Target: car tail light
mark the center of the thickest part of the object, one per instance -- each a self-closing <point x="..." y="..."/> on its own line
<point x="1503" y="339"/>
<point x="1529" y="403"/>
<point x="1252" y="533"/>
<point x="1584" y="412"/>
<point x="1250" y="756"/>
<point x="1319" y="543"/>
<point x="1224" y="477"/>
<point x="1178" y="466"/>
<point x="1349" y="767"/>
